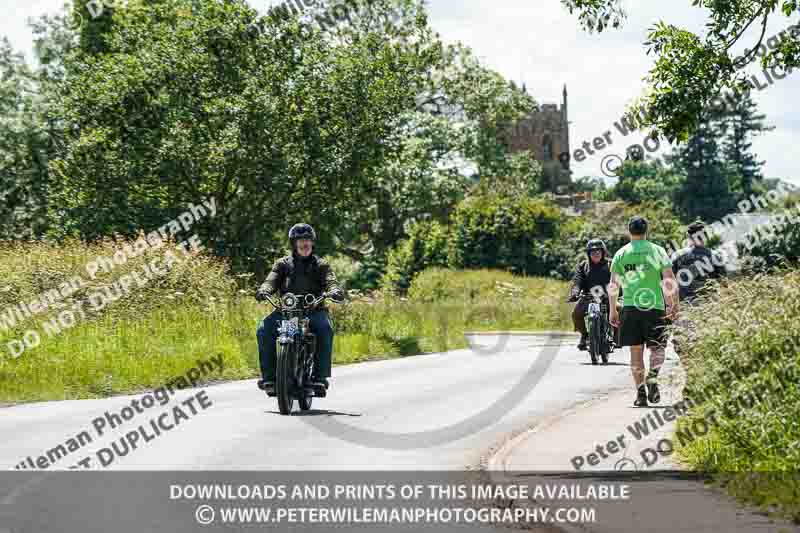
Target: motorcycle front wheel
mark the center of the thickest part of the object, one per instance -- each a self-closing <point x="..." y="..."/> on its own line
<point x="284" y="379"/>
<point x="305" y="402"/>
<point x="605" y="345"/>
<point x="596" y="346"/>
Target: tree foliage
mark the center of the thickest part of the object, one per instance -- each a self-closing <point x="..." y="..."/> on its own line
<point x="361" y="129"/>
<point x="497" y="231"/>
<point x="706" y="191"/>
<point x="739" y="122"/>
<point x="186" y="100"/>
<point x="24" y="149"/>
<point x="691" y="69"/>
<point x="648" y="181"/>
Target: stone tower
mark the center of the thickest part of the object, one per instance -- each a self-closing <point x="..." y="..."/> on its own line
<point x="546" y="133"/>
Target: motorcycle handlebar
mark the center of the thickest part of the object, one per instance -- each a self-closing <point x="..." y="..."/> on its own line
<point x="310" y="305"/>
<point x="267" y="298"/>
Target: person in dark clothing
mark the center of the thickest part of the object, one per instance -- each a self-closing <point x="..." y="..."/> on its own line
<point x="695" y="265"/>
<point x="592" y="276"/>
<point x="302" y="272"/>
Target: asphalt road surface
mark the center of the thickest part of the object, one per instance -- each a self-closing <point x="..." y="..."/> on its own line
<point x="440" y="411"/>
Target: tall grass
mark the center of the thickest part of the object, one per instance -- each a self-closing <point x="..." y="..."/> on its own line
<point x="196" y="311"/>
<point x="744" y="362"/>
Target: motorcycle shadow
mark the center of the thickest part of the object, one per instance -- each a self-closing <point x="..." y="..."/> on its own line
<point x="318" y="412"/>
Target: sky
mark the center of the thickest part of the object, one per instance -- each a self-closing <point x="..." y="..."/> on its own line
<point x="537" y="42"/>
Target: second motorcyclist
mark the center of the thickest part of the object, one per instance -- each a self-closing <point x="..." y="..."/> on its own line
<point x="592" y="276"/>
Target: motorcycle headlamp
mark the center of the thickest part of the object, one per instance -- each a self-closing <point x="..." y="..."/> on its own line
<point x="289" y="301"/>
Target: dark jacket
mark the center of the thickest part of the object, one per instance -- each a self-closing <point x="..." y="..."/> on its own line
<point x="698" y="262"/>
<point x="300" y="275"/>
<point x="588" y="275"/>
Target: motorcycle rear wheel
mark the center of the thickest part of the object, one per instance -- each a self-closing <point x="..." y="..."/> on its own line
<point x="284" y="379"/>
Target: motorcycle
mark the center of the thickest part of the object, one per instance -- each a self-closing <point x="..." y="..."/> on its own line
<point x="297" y="347"/>
<point x="601" y="334"/>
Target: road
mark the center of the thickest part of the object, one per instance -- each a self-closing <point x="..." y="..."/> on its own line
<point x="436" y="411"/>
<point x="401" y="421"/>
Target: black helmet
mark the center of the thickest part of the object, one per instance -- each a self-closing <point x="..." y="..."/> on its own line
<point x="301" y="231"/>
<point x="596" y="244"/>
<point x="637" y="226"/>
<point x="695" y="227"/>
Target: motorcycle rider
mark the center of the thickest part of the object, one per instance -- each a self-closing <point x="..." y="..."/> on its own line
<point x="302" y="272"/>
<point x="592" y="276"/>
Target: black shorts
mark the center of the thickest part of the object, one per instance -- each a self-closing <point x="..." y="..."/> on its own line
<point x="638" y="326"/>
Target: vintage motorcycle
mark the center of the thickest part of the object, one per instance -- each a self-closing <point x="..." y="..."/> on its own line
<point x="297" y="347"/>
<point x="601" y="333"/>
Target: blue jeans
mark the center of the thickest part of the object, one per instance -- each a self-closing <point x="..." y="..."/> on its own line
<point x="267" y="336"/>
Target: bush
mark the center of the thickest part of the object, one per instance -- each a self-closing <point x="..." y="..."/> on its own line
<point x="497" y="231"/>
<point x="559" y="256"/>
<point x="369" y="274"/>
<point x="425" y="247"/>
<point x="647" y="181"/>
<point x="346" y="269"/>
<point x="779" y="252"/>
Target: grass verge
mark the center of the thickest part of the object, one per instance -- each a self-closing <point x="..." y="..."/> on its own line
<point x="743" y="368"/>
<point x="194" y="311"/>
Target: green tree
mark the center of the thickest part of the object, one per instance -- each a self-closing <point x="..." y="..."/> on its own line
<point x="192" y="99"/>
<point x="24" y="149"/>
<point x="648" y="181"/>
<point x="446" y="142"/>
<point x="706" y="192"/>
<point x="739" y="122"/>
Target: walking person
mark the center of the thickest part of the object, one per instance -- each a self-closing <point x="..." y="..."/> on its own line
<point x="644" y="271"/>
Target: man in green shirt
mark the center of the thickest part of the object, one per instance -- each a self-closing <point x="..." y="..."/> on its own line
<point x="644" y="271"/>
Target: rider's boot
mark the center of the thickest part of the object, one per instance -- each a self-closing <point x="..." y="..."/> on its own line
<point x="582" y="342"/>
<point x="641" y="397"/>
<point x="266" y="385"/>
